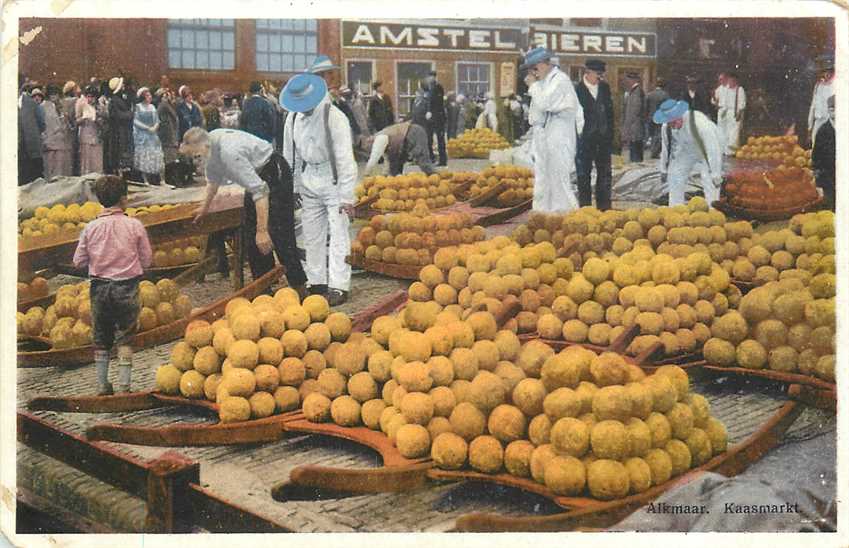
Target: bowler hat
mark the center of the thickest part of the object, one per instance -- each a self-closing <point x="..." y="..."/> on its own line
<point x="595" y="65"/>
<point x="670" y="110"/>
<point x="322" y="63"/>
<point x="536" y="56"/>
<point x="632" y="75"/>
<point x="303" y="92"/>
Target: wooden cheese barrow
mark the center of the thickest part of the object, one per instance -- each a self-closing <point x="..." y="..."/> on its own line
<point x="264" y="430"/>
<point x="69" y="357"/>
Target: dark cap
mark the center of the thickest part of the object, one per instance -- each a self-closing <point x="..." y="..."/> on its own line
<point x="596" y="65"/>
<point x="632" y="75"/>
<point x="692" y="79"/>
<point x="255" y="87"/>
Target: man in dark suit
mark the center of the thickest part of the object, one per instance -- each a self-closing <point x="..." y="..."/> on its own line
<point x="258" y="115"/>
<point x="596" y="141"/>
<point x="30" y="127"/>
<point x="380" y="114"/>
<point x="632" y="132"/>
<point x="436" y="118"/>
<point x="697" y="97"/>
<point x="653" y="100"/>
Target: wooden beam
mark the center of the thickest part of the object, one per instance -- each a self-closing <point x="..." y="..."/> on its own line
<point x="98" y="460"/>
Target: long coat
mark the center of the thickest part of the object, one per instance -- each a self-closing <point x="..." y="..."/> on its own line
<point x="556" y="117"/>
<point x="120" y="148"/>
<point x="168" y="130"/>
<point x="30" y="127"/>
<point x="633" y="116"/>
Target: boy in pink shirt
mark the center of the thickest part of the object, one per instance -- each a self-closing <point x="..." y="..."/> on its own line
<point x="116" y="250"/>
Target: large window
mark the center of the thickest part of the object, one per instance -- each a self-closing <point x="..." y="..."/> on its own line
<point x="473" y="79"/>
<point x="410" y="76"/>
<point x="285" y="45"/>
<point x="206" y="44"/>
<point x="360" y="76"/>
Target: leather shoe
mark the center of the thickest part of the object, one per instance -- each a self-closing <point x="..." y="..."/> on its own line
<point x="318" y="289"/>
<point x="335" y="297"/>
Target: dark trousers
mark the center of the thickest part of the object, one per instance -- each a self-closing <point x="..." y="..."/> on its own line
<point x="635" y="151"/>
<point x="825" y="180"/>
<point x="439" y="130"/>
<point x="114" y="311"/>
<point x="656" y="140"/>
<point x="29" y="169"/>
<point x="592" y="151"/>
<point x="281" y="224"/>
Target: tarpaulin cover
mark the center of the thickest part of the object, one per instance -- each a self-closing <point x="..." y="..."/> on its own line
<point x="801" y="475"/>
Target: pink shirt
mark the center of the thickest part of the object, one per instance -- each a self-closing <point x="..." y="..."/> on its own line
<point x="113" y="246"/>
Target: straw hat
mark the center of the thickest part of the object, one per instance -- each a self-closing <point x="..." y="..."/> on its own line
<point x="116" y="84"/>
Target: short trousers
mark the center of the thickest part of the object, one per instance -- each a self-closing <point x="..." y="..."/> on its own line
<point x="114" y="311"/>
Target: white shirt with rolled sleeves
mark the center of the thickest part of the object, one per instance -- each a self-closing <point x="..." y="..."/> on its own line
<point x="557" y="118"/>
<point x="235" y="157"/>
<point x="681" y="157"/>
<point x="320" y="197"/>
<point x="818" y="113"/>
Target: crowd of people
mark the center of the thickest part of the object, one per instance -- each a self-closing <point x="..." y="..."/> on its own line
<point x="297" y="148"/>
<point x="572" y="131"/>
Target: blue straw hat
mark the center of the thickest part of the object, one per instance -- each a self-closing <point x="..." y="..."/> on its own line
<point x="303" y="92"/>
<point x="535" y="56"/>
<point x="322" y="63"/>
<point x="670" y="110"/>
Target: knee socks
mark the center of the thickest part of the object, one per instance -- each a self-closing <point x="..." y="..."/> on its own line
<point x="125" y="367"/>
<point x="101" y="361"/>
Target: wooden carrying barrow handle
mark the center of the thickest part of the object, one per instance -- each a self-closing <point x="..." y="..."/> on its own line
<point x="351" y="481"/>
<point x="606" y="514"/>
<point x="192" y="435"/>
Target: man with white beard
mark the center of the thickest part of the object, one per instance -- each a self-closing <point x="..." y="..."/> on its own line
<point x="556" y="118"/>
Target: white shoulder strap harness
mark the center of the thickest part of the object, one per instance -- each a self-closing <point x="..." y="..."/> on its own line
<point x="328" y="141"/>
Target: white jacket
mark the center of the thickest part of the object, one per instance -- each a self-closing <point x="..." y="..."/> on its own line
<point x="685" y="149"/>
<point x="313" y="174"/>
<point x="557" y="118"/>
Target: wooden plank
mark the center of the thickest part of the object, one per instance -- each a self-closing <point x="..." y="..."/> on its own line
<point x="117" y="403"/>
<point x="352" y="481"/>
<point x="821" y="399"/>
<point x="504" y="215"/>
<point x="765" y="215"/>
<point x="211" y="512"/>
<point x="781" y="376"/>
<point x="95" y="459"/>
<point x="167" y="508"/>
<point x="362" y="320"/>
<point x="178" y="221"/>
<point x="191" y="435"/>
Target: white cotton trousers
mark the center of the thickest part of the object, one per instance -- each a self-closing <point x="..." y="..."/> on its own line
<point x="729" y="126"/>
<point x="320" y="215"/>
<point x="679" y="174"/>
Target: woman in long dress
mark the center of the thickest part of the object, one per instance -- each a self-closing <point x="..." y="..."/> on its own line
<point x="89" y="120"/>
<point x="56" y="139"/>
<point x="148" y="157"/>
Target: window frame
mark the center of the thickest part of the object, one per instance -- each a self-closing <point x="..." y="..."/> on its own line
<point x="372" y="62"/>
<point x="269" y="31"/>
<point x="398" y="98"/>
<point x="457" y="64"/>
<point x="195" y="25"/>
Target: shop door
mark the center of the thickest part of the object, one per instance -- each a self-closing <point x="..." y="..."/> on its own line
<point x="410" y="76"/>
